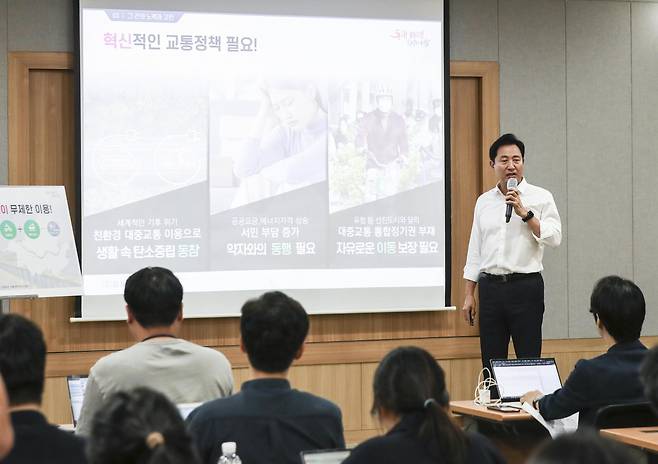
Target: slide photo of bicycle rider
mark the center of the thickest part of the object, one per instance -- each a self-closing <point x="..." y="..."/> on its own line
<point x="388" y="139"/>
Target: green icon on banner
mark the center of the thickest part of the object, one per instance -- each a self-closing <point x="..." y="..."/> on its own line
<point x="8" y="230"/>
<point x="32" y="229"/>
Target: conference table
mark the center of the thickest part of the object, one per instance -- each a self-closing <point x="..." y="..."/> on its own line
<point x="640" y="437"/>
<point x="469" y="409"/>
<point x="515" y="434"/>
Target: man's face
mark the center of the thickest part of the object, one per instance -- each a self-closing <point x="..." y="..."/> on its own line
<point x="508" y="164"/>
<point x="384" y="103"/>
<point x="294" y="108"/>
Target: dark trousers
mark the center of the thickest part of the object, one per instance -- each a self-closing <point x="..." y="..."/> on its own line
<point x="514" y="308"/>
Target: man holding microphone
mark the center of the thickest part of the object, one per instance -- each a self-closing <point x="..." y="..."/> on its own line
<point x="511" y="225"/>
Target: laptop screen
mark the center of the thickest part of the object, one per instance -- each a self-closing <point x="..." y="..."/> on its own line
<point x="77" y="387"/>
<point x="518" y="376"/>
<point x="324" y="456"/>
<point x="186" y="408"/>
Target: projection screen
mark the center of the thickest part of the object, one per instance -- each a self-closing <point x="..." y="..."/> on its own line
<point x="297" y="146"/>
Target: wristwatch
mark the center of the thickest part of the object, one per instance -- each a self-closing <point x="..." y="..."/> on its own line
<point x="535" y="403"/>
<point x="528" y="216"/>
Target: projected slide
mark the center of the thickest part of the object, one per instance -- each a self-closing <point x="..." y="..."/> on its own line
<point x="255" y="152"/>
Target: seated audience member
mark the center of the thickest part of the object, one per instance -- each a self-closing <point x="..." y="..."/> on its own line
<point x="583" y="447"/>
<point x="269" y="421"/>
<point x="411" y="403"/>
<point x="139" y="426"/>
<point x="618" y="308"/>
<point x="183" y="371"/>
<point x="22" y="365"/>
<point x="649" y="375"/>
<point x="6" y="430"/>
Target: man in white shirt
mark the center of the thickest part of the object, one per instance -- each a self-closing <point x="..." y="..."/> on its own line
<point x="183" y="371"/>
<point x="505" y="259"/>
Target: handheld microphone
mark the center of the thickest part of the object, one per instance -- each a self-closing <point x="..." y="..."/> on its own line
<point x="511" y="183"/>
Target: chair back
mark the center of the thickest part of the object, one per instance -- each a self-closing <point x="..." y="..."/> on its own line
<point x="616" y="416"/>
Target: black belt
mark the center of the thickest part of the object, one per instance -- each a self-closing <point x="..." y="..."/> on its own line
<point x="504" y="278"/>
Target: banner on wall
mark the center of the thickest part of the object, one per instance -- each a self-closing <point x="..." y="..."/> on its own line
<point x="38" y="256"/>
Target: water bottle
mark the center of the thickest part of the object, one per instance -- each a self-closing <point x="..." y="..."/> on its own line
<point x="228" y="454"/>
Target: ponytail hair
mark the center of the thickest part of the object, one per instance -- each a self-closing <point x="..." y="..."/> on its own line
<point x="408" y="380"/>
<point x="140" y="426"/>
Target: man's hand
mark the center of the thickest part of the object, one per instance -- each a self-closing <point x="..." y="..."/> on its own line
<point x="531" y="396"/>
<point x="469" y="311"/>
<point x="513" y="197"/>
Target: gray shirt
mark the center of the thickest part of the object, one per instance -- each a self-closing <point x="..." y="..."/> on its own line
<point x="181" y="370"/>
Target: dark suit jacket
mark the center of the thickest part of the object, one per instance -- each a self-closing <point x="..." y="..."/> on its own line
<point x="612" y="378"/>
<point x="401" y="444"/>
<point x="270" y="422"/>
<point x="36" y="441"/>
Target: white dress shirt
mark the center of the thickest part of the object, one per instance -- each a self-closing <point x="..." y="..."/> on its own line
<point x="497" y="247"/>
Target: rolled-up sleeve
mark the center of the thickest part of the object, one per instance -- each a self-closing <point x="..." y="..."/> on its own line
<point x="472" y="267"/>
<point x="550" y="225"/>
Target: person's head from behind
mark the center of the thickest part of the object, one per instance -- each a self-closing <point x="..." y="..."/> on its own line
<point x="649" y="376"/>
<point x="618" y="307"/>
<point x="154" y="299"/>
<point x="582" y="447"/>
<point x="273" y="329"/>
<point x="22" y="359"/>
<point x="410" y="381"/>
<point x="138" y="427"/>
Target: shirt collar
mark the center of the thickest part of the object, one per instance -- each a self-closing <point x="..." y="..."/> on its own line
<point x="28" y="417"/>
<point x="409" y="421"/>
<point x="522" y="187"/>
<point x="627" y="346"/>
<point x="266" y="384"/>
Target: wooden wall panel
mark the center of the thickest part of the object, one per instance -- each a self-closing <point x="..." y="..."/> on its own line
<point x="56" y="404"/>
<point x="463" y="377"/>
<point x="466" y="183"/>
<point x="367" y="375"/>
<point x="240" y="376"/>
<point x="339" y="383"/>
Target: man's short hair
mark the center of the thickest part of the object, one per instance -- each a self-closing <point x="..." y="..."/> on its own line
<point x="620" y="306"/>
<point x="273" y="328"/>
<point x="649" y="376"/>
<point x="22" y="359"/>
<point x="503" y="140"/>
<point x="154" y="295"/>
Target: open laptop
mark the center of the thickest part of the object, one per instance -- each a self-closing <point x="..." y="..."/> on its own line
<point x="186" y="408"/>
<point x="77" y="385"/>
<point x="335" y="456"/>
<point x="515" y="377"/>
